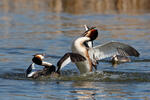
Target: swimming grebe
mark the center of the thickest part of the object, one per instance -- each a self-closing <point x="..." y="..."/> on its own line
<point x="119" y="59"/>
<point x="48" y="69"/>
<point x="93" y="54"/>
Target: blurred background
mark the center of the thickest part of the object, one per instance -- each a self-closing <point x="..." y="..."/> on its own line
<point x="132" y="7"/>
<point x="49" y="26"/>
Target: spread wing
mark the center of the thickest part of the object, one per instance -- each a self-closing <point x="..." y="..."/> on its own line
<point x="29" y="71"/>
<point x="69" y="57"/>
<point x="112" y="48"/>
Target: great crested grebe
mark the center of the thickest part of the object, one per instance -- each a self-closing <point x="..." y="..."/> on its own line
<point x="48" y="69"/>
<point x="116" y="59"/>
<point x="93" y="54"/>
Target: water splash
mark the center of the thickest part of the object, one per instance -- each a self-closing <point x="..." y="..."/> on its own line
<point x="102" y="76"/>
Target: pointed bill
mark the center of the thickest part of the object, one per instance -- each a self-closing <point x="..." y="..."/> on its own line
<point x="86" y="27"/>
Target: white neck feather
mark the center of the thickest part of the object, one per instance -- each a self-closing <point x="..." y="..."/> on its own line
<point x="78" y="47"/>
<point x="46" y="64"/>
<point x="81" y="40"/>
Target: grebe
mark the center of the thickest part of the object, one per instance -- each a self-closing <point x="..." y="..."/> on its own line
<point x="94" y="53"/>
<point x="48" y="69"/>
<point x="116" y="59"/>
<point x="119" y="59"/>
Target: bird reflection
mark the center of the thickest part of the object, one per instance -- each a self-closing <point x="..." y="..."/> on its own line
<point x="86" y="90"/>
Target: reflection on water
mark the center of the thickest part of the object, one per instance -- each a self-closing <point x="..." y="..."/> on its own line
<point x="92" y="90"/>
<point x="86" y="90"/>
<point x="49" y="26"/>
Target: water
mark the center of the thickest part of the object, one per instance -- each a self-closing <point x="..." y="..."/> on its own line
<point x="33" y="27"/>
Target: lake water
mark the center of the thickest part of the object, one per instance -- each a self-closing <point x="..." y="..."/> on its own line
<point x="29" y="27"/>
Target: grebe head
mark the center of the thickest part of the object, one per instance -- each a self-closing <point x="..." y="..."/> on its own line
<point x="90" y="32"/>
<point x="120" y="59"/>
<point x="115" y="58"/>
<point x="38" y="58"/>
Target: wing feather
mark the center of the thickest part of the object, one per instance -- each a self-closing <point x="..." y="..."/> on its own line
<point x="29" y="71"/>
<point x="69" y="57"/>
<point x="112" y="48"/>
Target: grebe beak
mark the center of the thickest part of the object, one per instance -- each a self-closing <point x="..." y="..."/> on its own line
<point x="86" y="27"/>
<point x="47" y="56"/>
